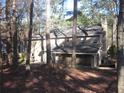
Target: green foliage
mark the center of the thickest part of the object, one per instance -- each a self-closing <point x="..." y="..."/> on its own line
<point x="112" y="51"/>
<point x="22" y="57"/>
<point x="83" y="20"/>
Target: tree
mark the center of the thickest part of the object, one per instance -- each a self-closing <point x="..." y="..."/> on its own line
<point x="74" y="33"/>
<point x="48" y="45"/>
<point x="96" y="10"/>
<point x="0" y="9"/>
<point x="15" y="37"/>
<point x="8" y="29"/>
<point x="120" y="45"/>
<point x="29" y="36"/>
<point x="120" y="25"/>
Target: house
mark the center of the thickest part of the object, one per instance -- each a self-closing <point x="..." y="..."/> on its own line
<point x="89" y="46"/>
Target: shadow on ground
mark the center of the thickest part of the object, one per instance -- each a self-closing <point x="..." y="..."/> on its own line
<point x="48" y="80"/>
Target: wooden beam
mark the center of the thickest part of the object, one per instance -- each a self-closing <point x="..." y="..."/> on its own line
<point x="33" y="39"/>
<point x="77" y="53"/>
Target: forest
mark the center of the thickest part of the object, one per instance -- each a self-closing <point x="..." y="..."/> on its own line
<point x="61" y="46"/>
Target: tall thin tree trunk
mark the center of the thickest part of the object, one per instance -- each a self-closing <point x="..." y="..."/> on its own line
<point x="8" y="2"/>
<point x="48" y="44"/>
<point x="8" y="27"/>
<point x="114" y="30"/>
<point x="92" y="9"/>
<point x="1" y="66"/>
<point x="74" y="34"/>
<point x="29" y="36"/>
<point x="120" y="27"/>
<point x="105" y="28"/>
<point x="120" y="45"/>
<point x="0" y="8"/>
<point x="15" y="39"/>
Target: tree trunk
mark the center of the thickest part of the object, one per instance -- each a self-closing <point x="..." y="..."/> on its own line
<point x="120" y="33"/>
<point x="0" y="8"/>
<point x="8" y="2"/>
<point x="114" y="30"/>
<point x="29" y="37"/>
<point x="74" y="34"/>
<point x="1" y="67"/>
<point x="15" y="39"/>
<point x="48" y="44"/>
<point x="105" y="28"/>
<point x="9" y="31"/>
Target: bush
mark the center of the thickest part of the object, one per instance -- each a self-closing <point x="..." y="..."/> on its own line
<point x="22" y="57"/>
<point x="112" y="51"/>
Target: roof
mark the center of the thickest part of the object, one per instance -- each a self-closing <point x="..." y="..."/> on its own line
<point x="83" y="45"/>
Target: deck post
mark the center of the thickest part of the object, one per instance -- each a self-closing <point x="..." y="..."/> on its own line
<point x="94" y="62"/>
<point x="100" y="57"/>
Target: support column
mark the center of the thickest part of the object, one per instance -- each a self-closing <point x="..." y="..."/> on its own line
<point x="100" y="57"/>
<point x="94" y="63"/>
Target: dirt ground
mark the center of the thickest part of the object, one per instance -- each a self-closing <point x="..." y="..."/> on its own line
<point x="49" y="80"/>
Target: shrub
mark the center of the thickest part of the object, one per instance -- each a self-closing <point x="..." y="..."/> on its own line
<point x="112" y="51"/>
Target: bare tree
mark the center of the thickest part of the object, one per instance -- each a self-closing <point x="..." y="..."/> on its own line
<point x="8" y="35"/>
<point x="120" y="45"/>
<point x="15" y="39"/>
<point x="0" y="9"/>
<point x="120" y="25"/>
<point x="8" y="2"/>
<point x="74" y="33"/>
<point x="48" y="45"/>
<point x="29" y="36"/>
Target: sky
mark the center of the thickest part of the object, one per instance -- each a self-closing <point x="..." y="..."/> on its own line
<point x="3" y="2"/>
<point x="69" y="5"/>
